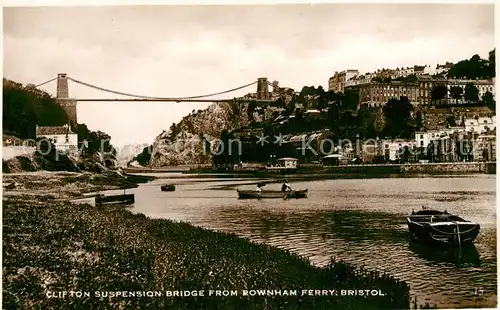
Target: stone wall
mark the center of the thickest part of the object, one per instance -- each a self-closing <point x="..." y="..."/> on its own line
<point x="9" y="152"/>
<point x="433" y="168"/>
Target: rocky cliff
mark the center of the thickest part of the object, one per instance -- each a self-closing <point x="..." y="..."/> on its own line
<point x="188" y="142"/>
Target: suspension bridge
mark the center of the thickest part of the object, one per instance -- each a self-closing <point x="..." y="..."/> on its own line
<point x="262" y="95"/>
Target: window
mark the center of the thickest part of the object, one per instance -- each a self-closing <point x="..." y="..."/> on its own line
<point x="421" y="136"/>
<point x="421" y="143"/>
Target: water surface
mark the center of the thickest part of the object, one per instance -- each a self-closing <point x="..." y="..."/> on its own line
<point x="361" y="221"/>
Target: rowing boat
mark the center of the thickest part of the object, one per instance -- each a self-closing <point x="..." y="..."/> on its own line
<point x="272" y="194"/>
<point x="168" y="188"/>
<point x="432" y="226"/>
<point x="114" y="199"/>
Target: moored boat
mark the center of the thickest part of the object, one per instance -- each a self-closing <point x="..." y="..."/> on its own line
<point x="440" y="227"/>
<point x="11" y="185"/>
<point x="114" y="199"/>
<point x="272" y="194"/>
<point x="168" y="188"/>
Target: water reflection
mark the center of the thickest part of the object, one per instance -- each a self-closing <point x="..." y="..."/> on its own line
<point x="465" y="256"/>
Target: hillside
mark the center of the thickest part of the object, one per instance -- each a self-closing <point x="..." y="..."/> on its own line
<point x="184" y="142"/>
<point x="26" y="106"/>
<point x="310" y="112"/>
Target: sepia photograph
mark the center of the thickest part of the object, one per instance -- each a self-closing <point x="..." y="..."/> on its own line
<point x="249" y="156"/>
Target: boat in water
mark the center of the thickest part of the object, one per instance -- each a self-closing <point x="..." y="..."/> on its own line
<point x="114" y="199"/>
<point x="272" y="194"/>
<point x="168" y="188"/>
<point x="440" y="227"/>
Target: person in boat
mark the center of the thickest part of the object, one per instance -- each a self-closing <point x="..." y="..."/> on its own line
<point x="286" y="187"/>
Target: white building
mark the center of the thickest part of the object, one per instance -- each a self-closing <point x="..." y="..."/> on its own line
<point x="483" y="86"/>
<point x="480" y="125"/>
<point x="429" y="70"/>
<point x="408" y="71"/>
<point x="423" y="138"/>
<point x="62" y="137"/>
<point x="392" y="148"/>
<point x="485" y="148"/>
<point x="443" y="69"/>
<point x="288" y="162"/>
<point x="338" y="81"/>
<point x="402" y="72"/>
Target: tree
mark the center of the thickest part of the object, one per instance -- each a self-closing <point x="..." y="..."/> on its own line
<point x="488" y="100"/>
<point x="398" y="115"/>
<point x="91" y="142"/>
<point x="439" y="92"/>
<point x="250" y="109"/>
<point x="431" y="151"/>
<point x="351" y="99"/>
<point x="418" y="120"/>
<point x="471" y="93"/>
<point x="403" y="155"/>
<point x="229" y="151"/>
<point x="174" y="130"/>
<point x="333" y="112"/>
<point x="322" y="102"/>
<point x="26" y="107"/>
<point x="456" y="92"/>
<point x="291" y="106"/>
<point x="491" y="60"/>
<point x="450" y="121"/>
<point x="144" y="157"/>
<point x="474" y="68"/>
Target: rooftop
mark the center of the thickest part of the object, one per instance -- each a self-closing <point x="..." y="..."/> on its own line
<point x="53" y="130"/>
<point x="288" y="159"/>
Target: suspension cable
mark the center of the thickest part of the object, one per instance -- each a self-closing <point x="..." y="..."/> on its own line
<point x="36" y="86"/>
<point x="148" y="97"/>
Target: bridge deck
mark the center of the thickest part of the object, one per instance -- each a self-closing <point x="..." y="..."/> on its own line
<point x="165" y="100"/>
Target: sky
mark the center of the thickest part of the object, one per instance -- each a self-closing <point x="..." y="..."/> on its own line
<point x="178" y="51"/>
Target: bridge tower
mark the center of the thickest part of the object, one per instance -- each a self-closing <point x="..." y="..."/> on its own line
<point x="263" y="89"/>
<point x="62" y="98"/>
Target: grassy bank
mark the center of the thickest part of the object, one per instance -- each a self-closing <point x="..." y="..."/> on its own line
<point x="57" y="246"/>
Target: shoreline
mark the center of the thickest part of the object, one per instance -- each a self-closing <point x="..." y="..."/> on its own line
<point x="63" y="185"/>
<point x="53" y="245"/>
<point x="453" y="168"/>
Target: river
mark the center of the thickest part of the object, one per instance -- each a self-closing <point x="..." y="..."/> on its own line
<point x="361" y="221"/>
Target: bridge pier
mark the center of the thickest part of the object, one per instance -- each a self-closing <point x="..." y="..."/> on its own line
<point x="62" y="98"/>
<point x="263" y="89"/>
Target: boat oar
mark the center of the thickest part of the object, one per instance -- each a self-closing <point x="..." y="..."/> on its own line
<point x="458" y="234"/>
